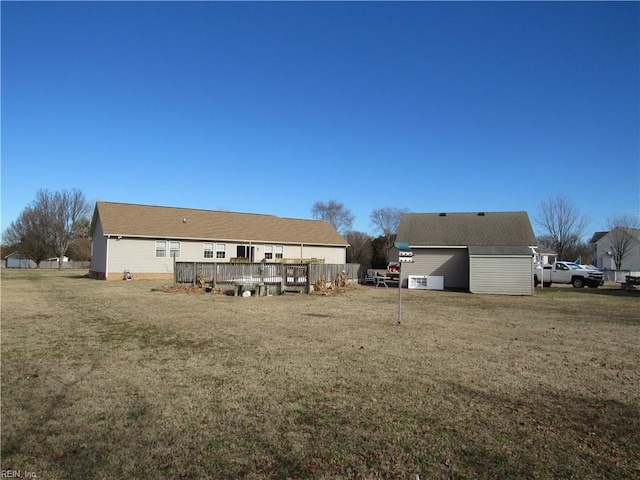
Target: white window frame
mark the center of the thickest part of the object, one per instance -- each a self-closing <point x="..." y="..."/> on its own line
<point x="221" y="250"/>
<point x="278" y="251"/>
<point x="418" y="282"/>
<point x="209" y="250"/>
<point x="173" y="251"/>
<point x="163" y="248"/>
<point x="268" y="252"/>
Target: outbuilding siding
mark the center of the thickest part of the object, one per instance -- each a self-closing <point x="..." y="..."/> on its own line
<point x="16" y="260"/>
<point x="506" y="275"/>
<point x="450" y="263"/>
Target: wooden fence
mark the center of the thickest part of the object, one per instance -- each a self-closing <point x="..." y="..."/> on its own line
<point x="285" y="276"/>
<point x="65" y="265"/>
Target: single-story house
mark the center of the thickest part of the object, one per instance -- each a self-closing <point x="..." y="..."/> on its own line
<point x="480" y="252"/>
<point x="18" y="260"/>
<point x="145" y="239"/>
<point x="603" y="248"/>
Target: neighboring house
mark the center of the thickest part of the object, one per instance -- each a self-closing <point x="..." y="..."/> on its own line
<point x="144" y="239"/>
<point x="56" y="259"/>
<point x="603" y="251"/>
<point x="478" y="252"/>
<point x="545" y="256"/>
<point x="18" y="260"/>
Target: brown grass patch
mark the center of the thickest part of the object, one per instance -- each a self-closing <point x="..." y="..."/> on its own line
<point x="112" y="379"/>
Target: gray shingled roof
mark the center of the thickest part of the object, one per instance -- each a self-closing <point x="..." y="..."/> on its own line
<point x="597" y="236"/>
<point x="129" y="220"/>
<point x="466" y="229"/>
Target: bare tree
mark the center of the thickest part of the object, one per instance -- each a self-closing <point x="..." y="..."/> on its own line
<point x="80" y="246"/>
<point x="562" y="224"/>
<point x="63" y="210"/>
<point x="623" y="236"/>
<point x="25" y="236"/>
<point x="360" y="250"/>
<point x="335" y="213"/>
<point x="579" y="250"/>
<point x="386" y="222"/>
<point x="47" y="226"/>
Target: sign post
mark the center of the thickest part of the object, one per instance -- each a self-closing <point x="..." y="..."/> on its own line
<point x="405" y="255"/>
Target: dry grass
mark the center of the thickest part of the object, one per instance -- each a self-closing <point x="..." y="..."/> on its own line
<point x="113" y="380"/>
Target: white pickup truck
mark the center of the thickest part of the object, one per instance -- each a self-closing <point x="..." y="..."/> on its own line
<point x="569" y="273"/>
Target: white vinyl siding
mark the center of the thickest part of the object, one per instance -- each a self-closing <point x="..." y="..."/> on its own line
<point x="137" y="256"/>
<point x="98" y="250"/>
<point x="329" y="254"/>
<point x="504" y="275"/>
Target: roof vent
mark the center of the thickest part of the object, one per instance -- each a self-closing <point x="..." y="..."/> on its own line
<point x="184" y="220"/>
<point x="443" y="214"/>
<point x="481" y="214"/>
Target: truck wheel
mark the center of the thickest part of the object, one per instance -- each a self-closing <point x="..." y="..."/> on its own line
<point x="546" y="284"/>
<point x="578" y="282"/>
<point x="536" y="282"/>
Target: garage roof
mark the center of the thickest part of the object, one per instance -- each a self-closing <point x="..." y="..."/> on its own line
<point x="466" y="229"/>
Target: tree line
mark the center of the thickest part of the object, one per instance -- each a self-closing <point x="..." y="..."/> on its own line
<point x="364" y="249"/>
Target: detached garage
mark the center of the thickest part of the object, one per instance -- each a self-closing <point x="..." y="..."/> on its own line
<point x="483" y="252"/>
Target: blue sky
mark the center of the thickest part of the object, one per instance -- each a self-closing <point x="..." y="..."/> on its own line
<point x="269" y="107"/>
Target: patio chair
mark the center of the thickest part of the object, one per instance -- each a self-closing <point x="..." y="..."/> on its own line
<point x="375" y="278"/>
<point x="370" y="277"/>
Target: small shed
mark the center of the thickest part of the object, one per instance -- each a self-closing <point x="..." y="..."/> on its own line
<point x="18" y="260"/>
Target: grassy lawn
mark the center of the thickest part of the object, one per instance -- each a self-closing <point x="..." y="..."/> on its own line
<point x="106" y="380"/>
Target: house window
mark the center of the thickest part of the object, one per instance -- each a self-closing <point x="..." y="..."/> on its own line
<point x="273" y="251"/>
<point x="161" y="248"/>
<point x="174" y="249"/>
<point x="208" y="250"/>
<point x="221" y="250"/>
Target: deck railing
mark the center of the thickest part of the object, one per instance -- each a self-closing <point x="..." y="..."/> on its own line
<point x="300" y="275"/>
